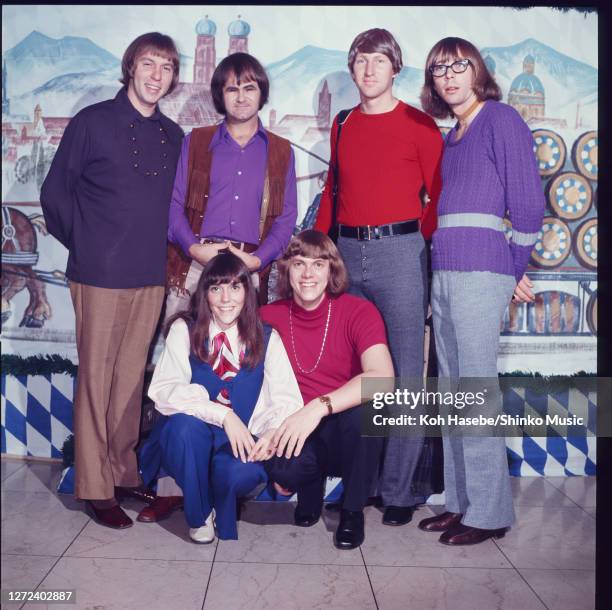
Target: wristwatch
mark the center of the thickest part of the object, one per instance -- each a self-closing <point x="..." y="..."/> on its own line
<point x="326" y="400"/>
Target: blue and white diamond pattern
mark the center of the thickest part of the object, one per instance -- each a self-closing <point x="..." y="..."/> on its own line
<point x="36" y="414"/>
<point x="558" y="454"/>
<point x="37" y="418"/>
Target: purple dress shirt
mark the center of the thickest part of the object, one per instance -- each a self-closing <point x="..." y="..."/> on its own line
<point x="235" y="195"/>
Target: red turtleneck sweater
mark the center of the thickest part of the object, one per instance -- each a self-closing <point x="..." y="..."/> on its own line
<point x="385" y="161"/>
<point x="354" y="326"/>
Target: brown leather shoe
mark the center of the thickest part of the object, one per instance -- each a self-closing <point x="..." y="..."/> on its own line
<point x="461" y="535"/>
<point x="161" y="508"/>
<point x="440" y="523"/>
<point x="142" y="493"/>
<point x="114" y="517"/>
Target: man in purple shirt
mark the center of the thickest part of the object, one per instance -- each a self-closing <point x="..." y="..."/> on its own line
<point x="235" y="189"/>
<point x="235" y="185"/>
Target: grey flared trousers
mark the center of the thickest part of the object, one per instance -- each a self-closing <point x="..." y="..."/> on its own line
<point x="468" y="308"/>
<point x="392" y="273"/>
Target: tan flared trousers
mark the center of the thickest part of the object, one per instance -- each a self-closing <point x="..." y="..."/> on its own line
<point x="114" y="329"/>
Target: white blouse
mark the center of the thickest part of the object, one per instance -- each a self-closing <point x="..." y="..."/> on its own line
<point x="172" y="391"/>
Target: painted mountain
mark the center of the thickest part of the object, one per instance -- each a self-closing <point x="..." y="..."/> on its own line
<point x="565" y="80"/>
<point x="38" y="58"/>
<point x="71" y="90"/>
<point x="65" y="95"/>
<point x="306" y="69"/>
<point x="296" y="80"/>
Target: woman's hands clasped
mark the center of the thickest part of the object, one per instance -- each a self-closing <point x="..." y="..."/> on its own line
<point x="240" y="438"/>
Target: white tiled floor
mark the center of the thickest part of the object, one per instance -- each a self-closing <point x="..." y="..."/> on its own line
<point x="546" y="561"/>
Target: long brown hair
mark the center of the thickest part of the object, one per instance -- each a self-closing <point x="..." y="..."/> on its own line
<point x="225" y="268"/>
<point x="245" y="68"/>
<point x="312" y="244"/>
<point x="376" y="40"/>
<point x="157" y="44"/>
<point x="484" y="84"/>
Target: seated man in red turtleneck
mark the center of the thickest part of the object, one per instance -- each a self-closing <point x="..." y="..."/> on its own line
<point x="333" y="340"/>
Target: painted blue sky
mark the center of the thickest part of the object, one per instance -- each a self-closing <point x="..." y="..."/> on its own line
<point x="277" y="31"/>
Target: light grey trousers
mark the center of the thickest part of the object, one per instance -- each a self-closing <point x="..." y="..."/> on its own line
<point x="467" y="309"/>
<point x="392" y="273"/>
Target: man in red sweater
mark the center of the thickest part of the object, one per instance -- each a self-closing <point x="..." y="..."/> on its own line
<point x="334" y="341"/>
<point x="388" y="154"/>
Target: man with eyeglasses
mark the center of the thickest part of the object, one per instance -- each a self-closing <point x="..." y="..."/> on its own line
<point x="458" y="67"/>
<point x="388" y="154"/>
<point x="488" y="170"/>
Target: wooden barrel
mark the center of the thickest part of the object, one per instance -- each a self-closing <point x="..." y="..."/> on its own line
<point x="554" y="313"/>
<point x="584" y="155"/>
<point x="591" y="313"/>
<point x="570" y="195"/>
<point x="550" y="151"/>
<point x="585" y="243"/>
<point x="553" y="244"/>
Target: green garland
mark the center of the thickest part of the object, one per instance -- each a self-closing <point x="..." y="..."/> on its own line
<point x="54" y="363"/>
<point x="68" y="452"/>
<point x="37" y="365"/>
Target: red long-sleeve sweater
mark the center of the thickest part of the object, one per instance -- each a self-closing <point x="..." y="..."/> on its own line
<point x="385" y="161"/>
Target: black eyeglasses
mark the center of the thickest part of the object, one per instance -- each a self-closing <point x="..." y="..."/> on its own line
<point x="459" y="66"/>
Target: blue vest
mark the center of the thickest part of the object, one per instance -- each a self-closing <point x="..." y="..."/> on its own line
<point x="243" y="389"/>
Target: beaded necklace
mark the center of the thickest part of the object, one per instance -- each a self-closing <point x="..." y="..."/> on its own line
<point x="329" y="308"/>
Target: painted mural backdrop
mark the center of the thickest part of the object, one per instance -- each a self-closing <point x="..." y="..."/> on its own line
<point x="57" y="60"/>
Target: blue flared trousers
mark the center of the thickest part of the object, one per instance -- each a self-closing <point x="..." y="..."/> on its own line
<point x="199" y="457"/>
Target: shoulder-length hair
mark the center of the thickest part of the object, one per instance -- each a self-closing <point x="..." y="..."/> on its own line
<point x="376" y="40"/>
<point x="313" y="244"/>
<point x="246" y="68"/>
<point x="157" y="44"/>
<point x="225" y="268"/>
<point x="446" y="50"/>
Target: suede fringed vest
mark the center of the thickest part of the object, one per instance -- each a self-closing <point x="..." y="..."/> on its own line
<point x="198" y="186"/>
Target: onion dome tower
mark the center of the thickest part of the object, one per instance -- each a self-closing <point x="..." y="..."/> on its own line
<point x="205" y="52"/>
<point x="238" y="31"/>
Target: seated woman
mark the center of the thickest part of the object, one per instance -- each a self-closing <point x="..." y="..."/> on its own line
<point x="224" y="383"/>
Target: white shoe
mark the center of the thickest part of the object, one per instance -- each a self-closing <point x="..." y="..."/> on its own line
<point x="206" y="533"/>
